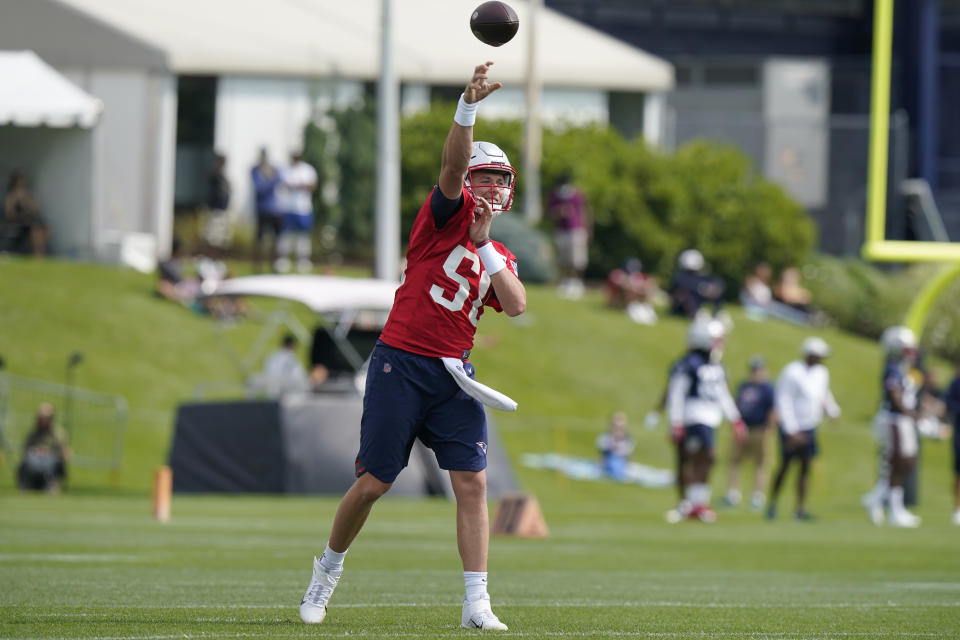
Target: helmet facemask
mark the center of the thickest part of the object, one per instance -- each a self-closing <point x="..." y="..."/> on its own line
<point x="488" y="158"/>
<point x="481" y="187"/>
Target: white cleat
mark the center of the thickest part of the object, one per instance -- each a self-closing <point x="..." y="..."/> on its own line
<point x="956" y="518"/>
<point x="874" y="511"/>
<point x="904" y="519"/>
<point x="313" y="607"/>
<point x="478" y="615"/>
<point x="679" y="513"/>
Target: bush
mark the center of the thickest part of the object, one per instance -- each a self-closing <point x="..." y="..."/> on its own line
<point x="646" y="204"/>
<point x="342" y="147"/>
<point x="653" y="206"/>
<point x="865" y="299"/>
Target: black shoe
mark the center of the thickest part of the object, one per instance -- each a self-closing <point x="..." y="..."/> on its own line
<point x="771" y="512"/>
<point x="803" y="516"/>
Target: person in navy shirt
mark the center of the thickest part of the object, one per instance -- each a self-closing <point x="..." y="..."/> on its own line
<point x="755" y="400"/>
<point x="266" y="179"/>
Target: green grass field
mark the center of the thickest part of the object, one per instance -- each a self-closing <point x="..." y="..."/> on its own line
<point x="91" y="563"/>
<point x="99" y="567"/>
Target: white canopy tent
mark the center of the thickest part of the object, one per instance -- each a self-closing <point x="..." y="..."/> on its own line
<point x="34" y="94"/>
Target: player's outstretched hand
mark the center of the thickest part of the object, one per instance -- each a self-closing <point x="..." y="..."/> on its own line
<point x="482" y="217"/>
<point x="478" y="88"/>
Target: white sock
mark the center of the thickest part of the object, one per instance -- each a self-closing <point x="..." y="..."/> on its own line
<point x="476" y="584"/>
<point x="332" y="560"/>
<point x="303" y="246"/>
<point x="700" y="493"/>
<point x="896" y="500"/>
<point x="879" y="492"/>
<point x="284" y="245"/>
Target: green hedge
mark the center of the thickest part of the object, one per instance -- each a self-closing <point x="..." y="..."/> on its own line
<point x="646" y="204"/>
<point x="866" y="299"/>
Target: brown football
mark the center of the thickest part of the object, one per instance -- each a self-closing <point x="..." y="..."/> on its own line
<point x="494" y="23"/>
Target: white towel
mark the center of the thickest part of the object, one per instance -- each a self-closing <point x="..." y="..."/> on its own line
<point x="483" y="393"/>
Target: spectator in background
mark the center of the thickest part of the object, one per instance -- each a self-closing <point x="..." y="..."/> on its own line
<point x="23" y="229"/>
<point x="790" y="292"/>
<point x="283" y="370"/>
<point x="628" y="287"/>
<point x="691" y="287"/>
<point x="758" y="300"/>
<point x="755" y="400"/>
<point x="299" y="182"/>
<point x="567" y="208"/>
<point x="952" y="399"/>
<point x="802" y="398"/>
<point x="266" y="179"/>
<point x="219" y="229"/>
<point x="172" y="281"/>
<point x="45" y="455"/>
<point x="615" y="447"/>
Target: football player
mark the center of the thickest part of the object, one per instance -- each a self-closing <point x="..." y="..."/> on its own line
<point x="453" y="271"/>
<point x="895" y="429"/>
<point x="698" y="399"/>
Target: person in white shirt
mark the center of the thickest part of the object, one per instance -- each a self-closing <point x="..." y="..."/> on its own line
<point x="283" y="371"/>
<point x="298" y="182"/>
<point x="802" y="397"/>
<point x="698" y="399"/>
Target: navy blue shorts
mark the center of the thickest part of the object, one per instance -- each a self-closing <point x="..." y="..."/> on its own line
<point x="808" y="449"/>
<point x="956" y="449"/>
<point x="409" y="396"/>
<point x="698" y="437"/>
<point x="294" y="222"/>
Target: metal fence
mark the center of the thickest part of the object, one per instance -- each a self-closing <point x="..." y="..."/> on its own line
<point x="94" y="422"/>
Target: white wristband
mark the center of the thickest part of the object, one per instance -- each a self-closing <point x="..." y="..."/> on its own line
<point x="491" y="258"/>
<point x="466" y="114"/>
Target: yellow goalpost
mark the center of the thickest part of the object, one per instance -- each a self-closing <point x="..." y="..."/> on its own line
<point x="876" y="247"/>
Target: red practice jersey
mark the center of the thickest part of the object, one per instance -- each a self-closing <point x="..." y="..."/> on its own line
<point x="444" y="288"/>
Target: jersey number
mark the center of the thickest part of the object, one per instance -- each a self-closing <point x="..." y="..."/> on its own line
<point x="462" y="295"/>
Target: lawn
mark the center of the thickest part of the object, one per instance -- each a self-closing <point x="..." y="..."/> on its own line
<point x="93" y="566"/>
<point x="91" y="563"/>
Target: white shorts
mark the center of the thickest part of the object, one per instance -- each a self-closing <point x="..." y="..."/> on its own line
<point x="572" y="248"/>
<point x="896" y="433"/>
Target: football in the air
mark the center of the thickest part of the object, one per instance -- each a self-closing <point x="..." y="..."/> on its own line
<point x="494" y="23"/>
